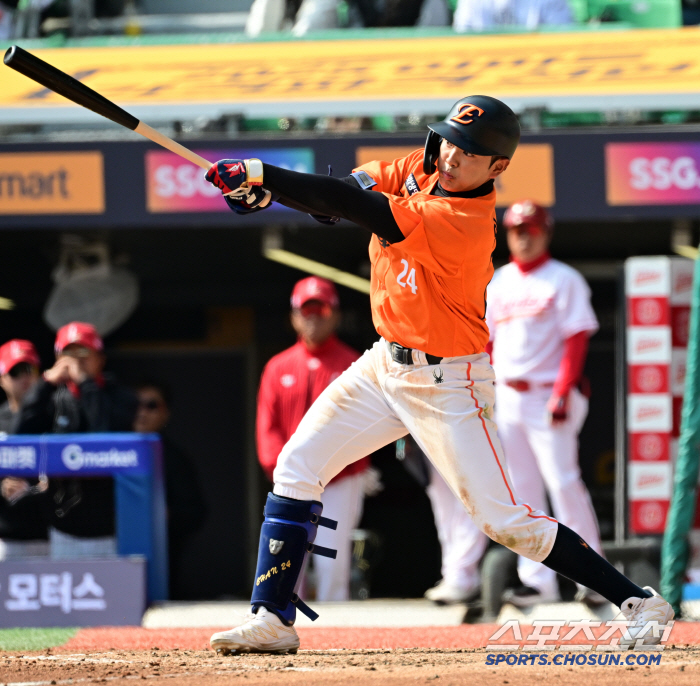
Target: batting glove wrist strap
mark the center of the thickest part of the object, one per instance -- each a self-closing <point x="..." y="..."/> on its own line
<point x="286" y="538"/>
<point x="254" y="172"/>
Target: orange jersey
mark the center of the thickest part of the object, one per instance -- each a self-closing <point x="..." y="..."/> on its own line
<point x="429" y="290"/>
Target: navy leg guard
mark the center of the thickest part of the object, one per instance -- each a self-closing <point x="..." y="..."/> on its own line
<point x="287" y="535"/>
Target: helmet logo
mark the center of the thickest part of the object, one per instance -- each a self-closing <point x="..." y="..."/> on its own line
<point x="466" y="113"/>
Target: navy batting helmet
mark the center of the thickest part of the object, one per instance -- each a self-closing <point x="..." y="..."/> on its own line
<point x="477" y="124"/>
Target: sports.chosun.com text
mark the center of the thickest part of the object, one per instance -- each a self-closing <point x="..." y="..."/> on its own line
<point x="564" y="659"/>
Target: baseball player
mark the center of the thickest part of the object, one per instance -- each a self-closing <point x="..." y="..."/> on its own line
<point x="433" y="224"/>
<point x="540" y="319"/>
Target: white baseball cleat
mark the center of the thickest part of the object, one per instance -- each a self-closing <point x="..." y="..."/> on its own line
<point x="260" y="633"/>
<point x="641" y="611"/>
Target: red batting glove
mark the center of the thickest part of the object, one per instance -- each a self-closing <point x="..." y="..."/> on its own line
<point x="558" y="409"/>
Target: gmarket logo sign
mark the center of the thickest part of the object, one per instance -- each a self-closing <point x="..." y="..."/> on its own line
<point x="75" y="458"/>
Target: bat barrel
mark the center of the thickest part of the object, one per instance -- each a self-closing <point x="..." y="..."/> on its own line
<point x="55" y="80"/>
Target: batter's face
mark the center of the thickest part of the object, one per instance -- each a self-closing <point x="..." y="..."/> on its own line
<point x="462" y="171"/>
<point x="315" y="322"/>
<point x="527" y="243"/>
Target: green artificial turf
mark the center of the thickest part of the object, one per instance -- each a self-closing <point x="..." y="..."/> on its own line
<point x="34" y="639"/>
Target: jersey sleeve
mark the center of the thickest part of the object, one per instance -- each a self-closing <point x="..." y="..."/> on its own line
<point x="390" y="176"/>
<point x="573" y="306"/>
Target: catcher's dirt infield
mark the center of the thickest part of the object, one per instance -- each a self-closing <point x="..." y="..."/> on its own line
<point x="448" y="655"/>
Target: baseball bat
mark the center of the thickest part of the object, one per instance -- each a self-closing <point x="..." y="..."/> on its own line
<point x="59" y="82"/>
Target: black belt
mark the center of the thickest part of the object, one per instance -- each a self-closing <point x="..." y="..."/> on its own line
<point x="405" y="355"/>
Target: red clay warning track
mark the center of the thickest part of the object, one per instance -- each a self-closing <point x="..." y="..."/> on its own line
<point x="454" y="637"/>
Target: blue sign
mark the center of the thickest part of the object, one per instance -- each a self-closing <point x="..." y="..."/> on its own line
<point x="135" y="462"/>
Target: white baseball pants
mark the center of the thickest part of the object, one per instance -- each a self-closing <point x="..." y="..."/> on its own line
<point x="543" y="459"/>
<point x="342" y="500"/>
<point x="447" y="408"/>
<point x="461" y="542"/>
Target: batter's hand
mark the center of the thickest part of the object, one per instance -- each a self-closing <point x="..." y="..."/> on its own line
<point x="245" y="200"/>
<point x="558" y="409"/>
<point x="233" y="176"/>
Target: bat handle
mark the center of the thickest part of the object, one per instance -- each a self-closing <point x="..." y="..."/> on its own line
<point x="158" y="137"/>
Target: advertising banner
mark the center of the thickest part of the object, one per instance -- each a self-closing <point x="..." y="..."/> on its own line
<point x="52" y="183"/>
<point x="75" y="455"/>
<point x="371" y="76"/>
<point x="653" y="173"/>
<point x="44" y="593"/>
<point x="176" y="185"/>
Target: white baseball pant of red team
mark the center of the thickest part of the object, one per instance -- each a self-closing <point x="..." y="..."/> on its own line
<point x="461" y="542"/>
<point x="342" y="500"/>
<point x="447" y="409"/>
<point x="543" y="459"/>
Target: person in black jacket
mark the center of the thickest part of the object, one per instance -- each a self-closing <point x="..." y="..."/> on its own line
<point x="183" y="495"/>
<point x="23" y="530"/>
<point x="75" y="396"/>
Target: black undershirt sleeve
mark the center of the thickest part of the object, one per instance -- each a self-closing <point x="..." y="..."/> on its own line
<point x="325" y="195"/>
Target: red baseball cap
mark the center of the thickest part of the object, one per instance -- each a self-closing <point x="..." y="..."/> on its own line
<point x="78" y="333"/>
<point x="314" y="288"/>
<point x="15" y="351"/>
<point x="528" y="214"/>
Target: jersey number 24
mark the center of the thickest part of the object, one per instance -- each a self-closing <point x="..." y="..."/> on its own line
<point x="410" y="279"/>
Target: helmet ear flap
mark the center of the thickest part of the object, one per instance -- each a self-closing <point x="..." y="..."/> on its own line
<point x="431" y="152"/>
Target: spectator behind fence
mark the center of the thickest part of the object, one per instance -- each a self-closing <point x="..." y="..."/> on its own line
<point x="184" y="500"/>
<point x="490" y="15"/>
<point x="22" y="525"/>
<point x="75" y="396"/>
<point x="290" y="383"/>
<point x="304" y="16"/>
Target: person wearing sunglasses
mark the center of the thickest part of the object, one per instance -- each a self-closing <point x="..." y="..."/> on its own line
<point x="291" y="382"/>
<point x="22" y="523"/>
<point x="186" y="507"/>
<point x="77" y="396"/>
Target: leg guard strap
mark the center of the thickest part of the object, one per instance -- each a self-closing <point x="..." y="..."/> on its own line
<point x="286" y="538"/>
<point x="324" y="521"/>
<point x="320" y="550"/>
<point x="304" y="608"/>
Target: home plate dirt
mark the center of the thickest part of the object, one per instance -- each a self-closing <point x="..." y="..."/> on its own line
<point x="448" y="655"/>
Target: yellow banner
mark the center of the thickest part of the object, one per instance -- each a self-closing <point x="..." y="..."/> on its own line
<point x="529" y="175"/>
<point x="51" y="183"/>
<point x="644" y="62"/>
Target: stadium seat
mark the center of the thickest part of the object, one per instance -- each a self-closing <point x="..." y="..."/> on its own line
<point x="647" y="14"/>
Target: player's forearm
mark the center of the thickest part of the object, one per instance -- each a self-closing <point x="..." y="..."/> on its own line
<point x="572" y="363"/>
<point x="326" y="195"/>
